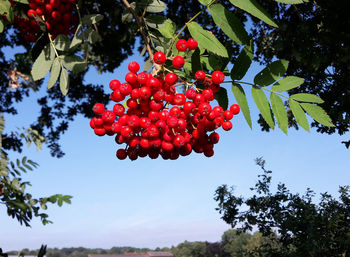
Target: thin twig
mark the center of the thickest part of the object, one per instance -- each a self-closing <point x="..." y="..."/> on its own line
<point x="142" y="32"/>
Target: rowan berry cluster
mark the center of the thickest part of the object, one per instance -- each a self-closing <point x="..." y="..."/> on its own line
<point x="158" y="120"/>
<point x="55" y="16"/>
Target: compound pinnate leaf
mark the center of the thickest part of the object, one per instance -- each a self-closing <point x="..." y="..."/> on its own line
<point x="271" y="73"/>
<point x="255" y="9"/>
<point x="64" y="82"/>
<point x="287" y="83"/>
<point x="156" y="6"/>
<point x="242" y="63"/>
<point x="263" y="105"/>
<point x="55" y="72"/>
<point x="229" y="24"/>
<point x="304" y="97"/>
<point x="222" y="98"/>
<point x="318" y="114"/>
<point x="241" y="99"/>
<point x="206" y="39"/>
<point x="43" y="63"/>
<point x="279" y="112"/>
<point x="299" y="115"/>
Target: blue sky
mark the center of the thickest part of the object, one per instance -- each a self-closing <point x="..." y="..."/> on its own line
<point x="150" y="203"/>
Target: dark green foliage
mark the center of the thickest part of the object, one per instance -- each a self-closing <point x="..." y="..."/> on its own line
<point x="313" y="38"/>
<point x="304" y="228"/>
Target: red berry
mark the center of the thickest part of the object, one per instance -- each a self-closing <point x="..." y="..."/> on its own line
<point x="235" y="109"/>
<point x="227" y="125"/>
<point x="181" y="45"/>
<point x="131" y="78"/>
<point x="171" y="78"/>
<point x="108" y="116"/>
<point x="178" y="62"/>
<point x="98" y="108"/>
<point x="199" y="75"/>
<point x="121" y="154"/>
<point x="133" y="67"/>
<point x="218" y="77"/>
<point x="192" y="44"/>
<point x="228" y="115"/>
<point x="159" y="58"/>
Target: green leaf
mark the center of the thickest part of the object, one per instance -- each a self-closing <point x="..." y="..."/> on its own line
<point x="310" y="98"/>
<point x="167" y="29"/>
<point x="64" y="82"/>
<point x="255" y="9"/>
<point x="287" y="83"/>
<point x="242" y="63"/>
<point x="229" y="24"/>
<point x="43" y="63"/>
<point x="155" y="21"/>
<point x="156" y="6"/>
<point x="60" y="202"/>
<point x="206" y="39"/>
<point x="222" y="98"/>
<point x="241" y="99"/>
<point x="93" y="36"/>
<point x="62" y="42"/>
<point x="280" y="112"/>
<point x="218" y="62"/>
<point x="1" y="26"/>
<point x="292" y="1"/>
<point x="55" y="72"/>
<point x="67" y="199"/>
<point x="205" y="2"/>
<point x="318" y="114"/>
<point x="21" y="1"/>
<point x="147" y="66"/>
<point x="263" y="105"/>
<point x="91" y="19"/>
<point x="77" y="40"/>
<point x="271" y="73"/>
<point x="74" y="63"/>
<point x="299" y="115"/>
<point x="196" y="61"/>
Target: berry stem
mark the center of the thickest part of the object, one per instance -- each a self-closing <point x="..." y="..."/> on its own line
<point x="186" y="24"/>
<point x="142" y="32"/>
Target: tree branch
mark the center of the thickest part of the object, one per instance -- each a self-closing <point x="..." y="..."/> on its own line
<point x="139" y="23"/>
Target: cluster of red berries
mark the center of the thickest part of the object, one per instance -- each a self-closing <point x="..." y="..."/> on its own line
<point x="159" y="121"/>
<point x="57" y="16"/>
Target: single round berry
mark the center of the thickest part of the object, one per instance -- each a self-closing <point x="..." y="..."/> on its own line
<point x="218" y="77"/>
<point x="114" y="84"/>
<point x="178" y="62"/>
<point x="159" y="58"/>
<point x="98" y="108"/>
<point x="171" y="78"/>
<point x="192" y="44"/>
<point x="133" y="67"/>
<point x="227" y="125"/>
<point x="181" y="45"/>
<point x="121" y="154"/>
<point x="199" y="75"/>
<point x="235" y="109"/>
